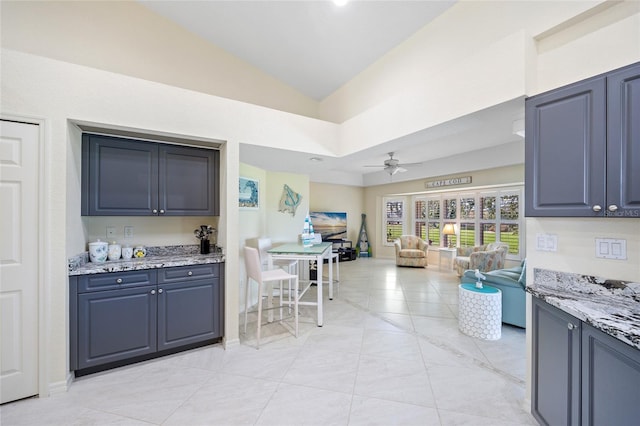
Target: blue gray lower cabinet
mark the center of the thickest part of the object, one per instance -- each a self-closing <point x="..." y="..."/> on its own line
<point x="580" y="375"/>
<point x="123" y="317"/>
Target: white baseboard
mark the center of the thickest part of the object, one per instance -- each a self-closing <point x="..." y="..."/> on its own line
<point x="61" y="386"/>
<point x="230" y="343"/>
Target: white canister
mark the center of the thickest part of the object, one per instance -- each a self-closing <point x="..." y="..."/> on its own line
<point x="127" y="252"/>
<point x="98" y="251"/>
<point x="115" y="251"/>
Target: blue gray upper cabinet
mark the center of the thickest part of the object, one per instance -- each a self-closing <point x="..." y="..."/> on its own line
<point x="582" y="142"/>
<point x="126" y="177"/>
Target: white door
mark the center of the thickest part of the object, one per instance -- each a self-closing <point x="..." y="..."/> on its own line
<point x="18" y="260"/>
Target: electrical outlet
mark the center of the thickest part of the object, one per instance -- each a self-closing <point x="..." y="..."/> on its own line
<point x="128" y="232"/>
<point x="111" y="232"/>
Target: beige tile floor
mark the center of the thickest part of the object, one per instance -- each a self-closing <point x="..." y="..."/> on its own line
<point x="389" y="353"/>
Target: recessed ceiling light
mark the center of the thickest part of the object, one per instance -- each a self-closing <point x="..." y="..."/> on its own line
<point x="340" y="2"/>
<point x="318" y="159"/>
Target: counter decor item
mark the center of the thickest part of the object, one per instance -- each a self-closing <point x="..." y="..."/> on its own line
<point x="203" y="235"/>
<point x="115" y="251"/>
<point x="127" y="252"/>
<point x="139" y="252"/>
<point x="98" y="251"/>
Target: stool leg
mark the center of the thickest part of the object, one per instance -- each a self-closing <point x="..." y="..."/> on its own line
<point x="246" y="304"/>
<point x="295" y="307"/>
<point x="259" y="315"/>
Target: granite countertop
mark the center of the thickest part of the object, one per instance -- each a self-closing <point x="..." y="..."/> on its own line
<point x="157" y="257"/>
<point x="611" y="306"/>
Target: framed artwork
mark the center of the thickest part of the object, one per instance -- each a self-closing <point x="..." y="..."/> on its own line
<point x="249" y="193"/>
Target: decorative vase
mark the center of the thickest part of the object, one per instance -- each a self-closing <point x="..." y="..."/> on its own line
<point x="204" y="246"/>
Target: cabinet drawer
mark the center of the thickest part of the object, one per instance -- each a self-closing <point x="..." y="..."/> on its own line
<point x="184" y="273"/>
<point x="115" y="280"/>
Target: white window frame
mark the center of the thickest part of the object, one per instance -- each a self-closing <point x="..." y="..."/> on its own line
<point x="402" y="219"/>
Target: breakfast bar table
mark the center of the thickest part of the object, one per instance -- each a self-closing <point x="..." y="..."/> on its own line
<point x="317" y="252"/>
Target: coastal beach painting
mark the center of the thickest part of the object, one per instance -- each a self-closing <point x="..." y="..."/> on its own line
<point x="331" y="225"/>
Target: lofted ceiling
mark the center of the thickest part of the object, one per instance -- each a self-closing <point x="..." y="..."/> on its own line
<point x="316" y="47"/>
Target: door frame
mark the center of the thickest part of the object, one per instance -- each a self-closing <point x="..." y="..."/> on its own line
<point x="44" y="240"/>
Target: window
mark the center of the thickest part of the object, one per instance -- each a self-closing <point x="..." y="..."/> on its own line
<point x="433" y="214"/>
<point x="467" y="230"/>
<point x="420" y="215"/>
<point x="479" y="218"/>
<point x="394" y="219"/>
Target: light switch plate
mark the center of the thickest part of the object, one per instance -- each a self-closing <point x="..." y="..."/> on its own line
<point x="546" y="242"/>
<point x="611" y="248"/>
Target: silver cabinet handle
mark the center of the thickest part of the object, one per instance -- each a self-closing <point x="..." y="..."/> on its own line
<point x="119" y="280"/>
<point x="154" y="211"/>
<point x="189" y="273"/>
<point x="597" y="208"/>
<point x="570" y="326"/>
<point x="613" y="208"/>
<point x="159" y="290"/>
<point x="161" y="211"/>
<point x="153" y="292"/>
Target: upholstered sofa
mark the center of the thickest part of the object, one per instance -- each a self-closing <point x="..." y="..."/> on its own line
<point x="485" y="258"/>
<point x="512" y="283"/>
<point x="411" y="251"/>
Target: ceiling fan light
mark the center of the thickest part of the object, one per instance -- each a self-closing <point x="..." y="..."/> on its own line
<point x="392" y="170"/>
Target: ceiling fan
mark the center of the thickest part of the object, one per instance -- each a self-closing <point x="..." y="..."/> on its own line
<point x="393" y="165"/>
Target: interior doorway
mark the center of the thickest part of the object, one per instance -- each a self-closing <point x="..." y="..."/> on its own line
<point x="19" y="259"/>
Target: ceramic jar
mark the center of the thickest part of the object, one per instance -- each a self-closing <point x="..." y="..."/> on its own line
<point x="127" y="252"/>
<point x="115" y="251"/>
<point x="98" y="251"/>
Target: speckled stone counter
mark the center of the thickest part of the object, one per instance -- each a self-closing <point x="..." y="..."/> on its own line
<point x="157" y="257"/>
<point x="608" y="305"/>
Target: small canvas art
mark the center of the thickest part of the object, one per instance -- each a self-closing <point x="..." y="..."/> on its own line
<point x="249" y="193"/>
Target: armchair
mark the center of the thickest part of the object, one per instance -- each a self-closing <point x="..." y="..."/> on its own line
<point x="488" y="257"/>
<point x="411" y="251"/>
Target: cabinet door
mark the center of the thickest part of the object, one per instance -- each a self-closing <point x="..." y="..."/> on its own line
<point x="189" y="181"/>
<point x="565" y="151"/>
<point x="119" y="176"/>
<point x="555" y="397"/>
<point x="188" y="313"/>
<point x="115" y="325"/>
<point x="623" y="142"/>
<point x="610" y="380"/>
